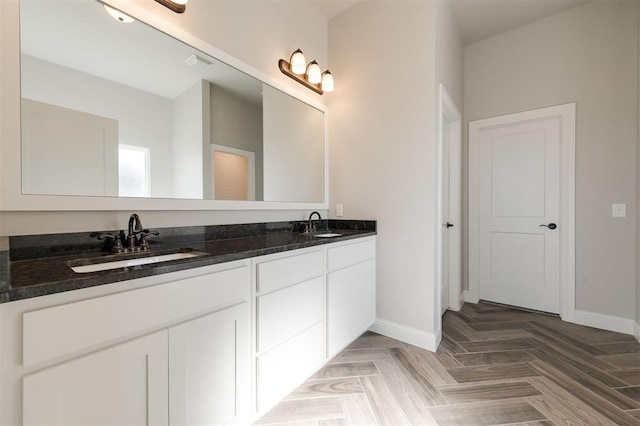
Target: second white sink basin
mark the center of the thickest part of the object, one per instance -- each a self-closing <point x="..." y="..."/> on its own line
<point x="118" y="264"/>
<point x="327" y="235"/>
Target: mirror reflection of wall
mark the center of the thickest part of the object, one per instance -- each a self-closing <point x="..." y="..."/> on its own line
<point x="144" y="119"/>
<point x="69" y="152"/>
<point x="236" y="123"/>
<point x="157" y="96"/>
<point x="187" y="143"/>
<point x="293" y="148"/>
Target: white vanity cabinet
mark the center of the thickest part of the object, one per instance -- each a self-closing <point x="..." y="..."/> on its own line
<point x="289" y="328"/>
<point x="351" y="296"/>
<point x="175" y="352"/>
<point x="309" y="304"/>
<point x="209" y="370"/>
<point x="220" y="344"/>
<point x="123" y="384"/>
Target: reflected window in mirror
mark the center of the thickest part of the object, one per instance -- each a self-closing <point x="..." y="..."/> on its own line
<point x="133" y="171"/>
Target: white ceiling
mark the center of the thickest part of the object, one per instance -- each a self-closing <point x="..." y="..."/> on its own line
<point x="331" y="8"/>
<point x="73" y="34"/>
<point x="79" y="34"/>
<point x="477" y="19"/>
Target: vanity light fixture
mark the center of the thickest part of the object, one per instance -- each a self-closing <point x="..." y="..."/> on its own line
<point x="310" y="76"/>
<point x="298" y="62"/>
<point x="327" y="81"/>
<point x="314" y="73"/>
<point x="118" y="16"/>
<point x="178" y="6"/>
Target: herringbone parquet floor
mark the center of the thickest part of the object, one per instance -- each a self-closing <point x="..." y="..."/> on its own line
<point x="495" y="366"/>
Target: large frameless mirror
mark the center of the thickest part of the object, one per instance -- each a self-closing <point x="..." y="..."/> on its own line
<point x="120" y="109"/>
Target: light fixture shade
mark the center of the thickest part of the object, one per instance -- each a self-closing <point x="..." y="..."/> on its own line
<point x="298" y="62"/>
<point x="314" y="73"/>
<point x="327" y="81"/>
<point x="178" y="6"/>
<point x="118" y="16"/>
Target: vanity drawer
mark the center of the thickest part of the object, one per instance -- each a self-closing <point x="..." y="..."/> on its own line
<point x="350" y="254"/>
<point x="274" y="274"/>
<point x="286" y="312"/>
<point x="68" y="329"/>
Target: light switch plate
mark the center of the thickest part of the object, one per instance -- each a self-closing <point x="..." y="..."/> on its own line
<point x="339" y="210"/>
<point x="619" y="210"/>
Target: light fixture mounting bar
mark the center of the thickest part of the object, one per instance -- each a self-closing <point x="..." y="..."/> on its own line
<point x="176" y="7"/>
<point x="285" y="67"/>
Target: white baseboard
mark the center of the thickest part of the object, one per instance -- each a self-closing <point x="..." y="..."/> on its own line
<point x="636" y="331"/>
<point x="410" y="335"/>
<point x="605" y="322"/>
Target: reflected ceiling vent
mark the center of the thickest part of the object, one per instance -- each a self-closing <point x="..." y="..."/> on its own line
<point x="197" y="62"/>
<point x="118" y="16"/>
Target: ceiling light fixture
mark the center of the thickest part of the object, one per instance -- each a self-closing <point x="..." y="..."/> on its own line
<point x="178" y="6"/>
<point x="310" y="76"/>
<point x="118" y="16"/>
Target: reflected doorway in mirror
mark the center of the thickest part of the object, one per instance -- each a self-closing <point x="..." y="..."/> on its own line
<point x="233" y="173"/>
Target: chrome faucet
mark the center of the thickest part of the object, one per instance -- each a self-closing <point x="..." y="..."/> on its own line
<point x="311" y="226"/>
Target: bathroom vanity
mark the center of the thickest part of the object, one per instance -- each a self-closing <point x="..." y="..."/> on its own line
<point x="191" y="342"/>
<point x="217" y="338"/>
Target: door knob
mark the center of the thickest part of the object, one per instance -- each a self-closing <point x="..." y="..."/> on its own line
<point x="551" y="226"/>
<point x="449" y="225"/>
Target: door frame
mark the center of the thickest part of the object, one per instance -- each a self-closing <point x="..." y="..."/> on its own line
<point x="567" y="115"/>
<point x="449" y="115"/>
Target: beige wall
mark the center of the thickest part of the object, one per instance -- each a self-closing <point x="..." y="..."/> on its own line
<point x="637" y="317"/>
<point x="256" y="32"/>
<point x="449" y="53"/>
<point x="382" y="145"/>
<point x="586" y="55"/>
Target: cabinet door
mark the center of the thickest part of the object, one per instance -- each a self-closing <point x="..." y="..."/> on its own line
<point x="122" y="385"/>
<point x="209" y="369"/>
<point x="362" y="297"/>
<point x="338" y="301"/>
<point x="281" y="369"/>
<point x="350" y="304"/>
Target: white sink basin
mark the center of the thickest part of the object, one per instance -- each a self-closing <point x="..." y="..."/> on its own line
<point x="127" y="263"/>
<point x="327" y="235"/>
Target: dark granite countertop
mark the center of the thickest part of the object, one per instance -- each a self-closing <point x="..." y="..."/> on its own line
<point x="33" y="277"/>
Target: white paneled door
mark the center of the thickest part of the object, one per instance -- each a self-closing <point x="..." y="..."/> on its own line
<point x="518" y="190"/>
